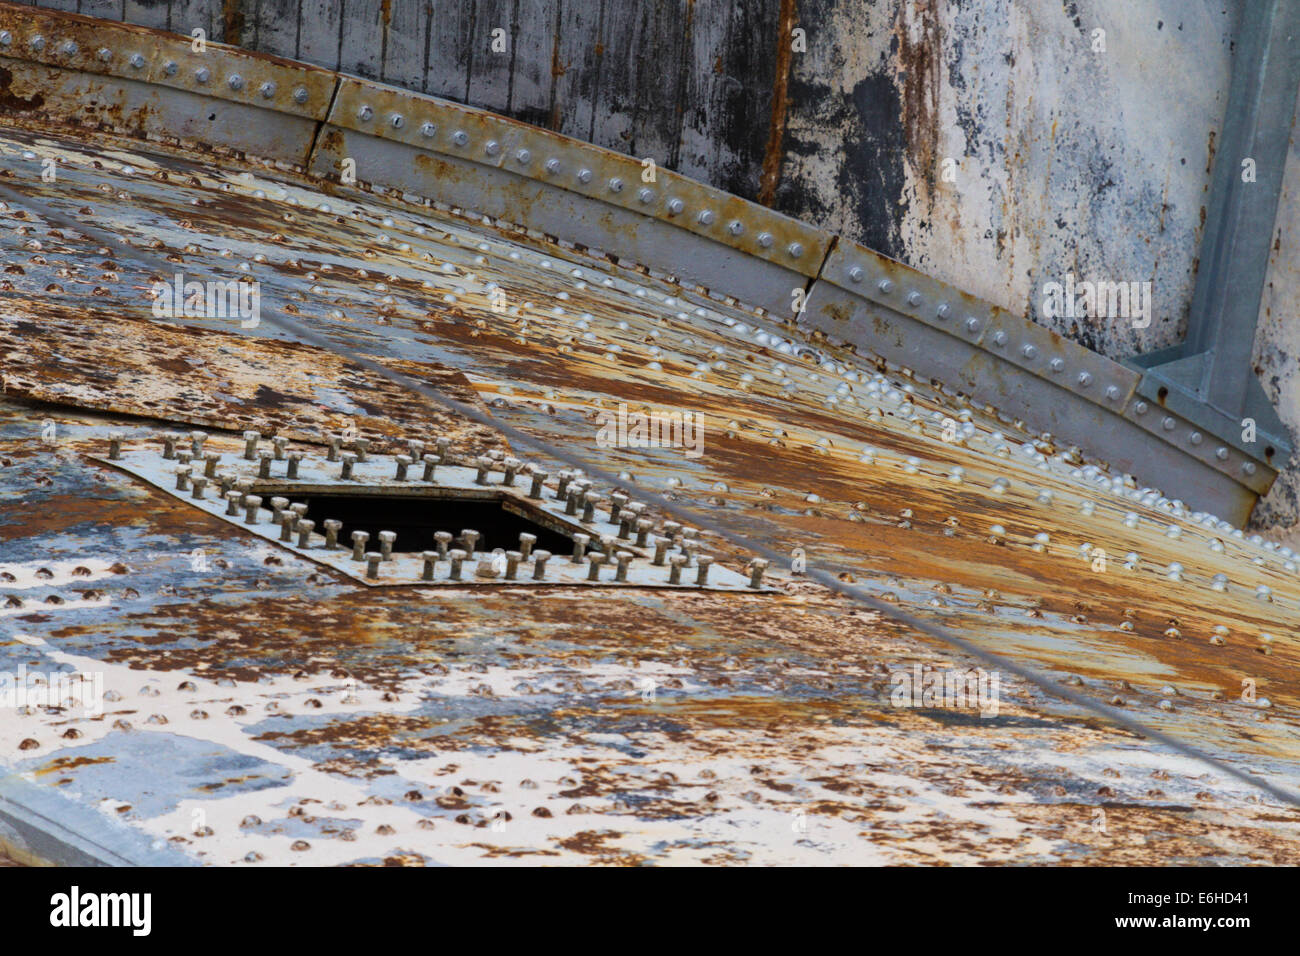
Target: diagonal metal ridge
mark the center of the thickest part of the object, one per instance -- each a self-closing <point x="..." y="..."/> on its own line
<point x="707" y="521"/>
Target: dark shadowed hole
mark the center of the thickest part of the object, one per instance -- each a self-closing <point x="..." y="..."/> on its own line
<point x="416" y="519"/>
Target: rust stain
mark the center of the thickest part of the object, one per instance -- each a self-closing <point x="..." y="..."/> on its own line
<point x="772" y="153"/>
<point x="919" y="65"/>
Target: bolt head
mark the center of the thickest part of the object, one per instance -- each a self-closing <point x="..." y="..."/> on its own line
<point x="235" y="81"/>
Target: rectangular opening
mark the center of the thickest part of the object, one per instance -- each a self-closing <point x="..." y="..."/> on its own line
<point x="414" y="520"/>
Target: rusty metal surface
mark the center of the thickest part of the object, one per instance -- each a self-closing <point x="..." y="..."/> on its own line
<point x="264" y="709"/>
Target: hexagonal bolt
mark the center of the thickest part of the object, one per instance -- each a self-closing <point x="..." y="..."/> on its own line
<point x="589" y="508"/>
<point x="616" y="504"/>
<point x="299" y="508"/>
<point x="332" y="528"/>
<point x="430" y="559"/>
<point x="305" y="528"/>
<point x="512" y="564"/>
<point x="198" y="484"/>
<point x="562" y="485"/>
<point x="210" y="461"/>
<point x="264" y="459"/>
<point x="484" y="465"/>
<point x="345" y="473"/>
<point x="226" y="481"/>
<point x="277" y="506"/>
<point x="539" y="564"/>
<point x="526" y="542"/>
<point x="362" y="447"/>
<point x="624" y="558"/>
<point x="444" y="450"/>
<point x="607" y="543"/>
<point x="287" y="522"/>
<point x="295" y="459"/>
<point x="169" y="444"/>
<point x="676" y="562"/>
<point x="233" y="501"/>
<point x="115" y="446"/>
<point x="457" y="558"/>
<point x="512" y="469"/>
<point x="335" y="446"/>
<point x="661" y="551"/>
<point x="594" y="561"/>
<point x="574" y="497"/>
<point x="196" y="443"/>
<point x="430" y="465"/>
<point x="756" y="569"/>
<point x="470" y="537"/>
<point x="702" y="570"/>
<point x="443" y="540"/>
<point x="251" y="505"/>
<point x="403" y="463"/>
<point x="184" y="457"/>
<point x="643" y="526"/>
<point x="372" y="564"/>
<point x="250" y="445"/>
<point x="625" y="526"/>
<point x="182" y="478"/>
<point x="359" y="539"/>
<point x="414" y="449"/>
<point x="539" y="479"/>
<point x="579" y="547"/>
<point x="386" y="540"/>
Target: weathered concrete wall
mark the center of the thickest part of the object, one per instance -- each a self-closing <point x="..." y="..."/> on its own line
<point x="998" y="144"/>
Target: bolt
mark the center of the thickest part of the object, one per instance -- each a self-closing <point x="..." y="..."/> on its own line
<point x="372" y="564"/>
<point x="571" y="506"/>
<point x="182" y="478"/>
<point x="233" y="500"/>
<point x="169" y="445"/>
<point x="264" y="463"/>
<point x="430" y="463"/>
<point x="336" y="443"/>
<point x="295" y="459"/>
<point x="539" y="479"/>
<point x="512" y="564"/>
<point x="756" y="569"/>
<point x="332" y="528"/>
<point x="470" y="537"/>
<point x="227" y="482"/>
<point x="671" y="528"/>
<point x="562" y="484"/>
<point x="184" y="457"/>
<point x="277" y="506"/>
<point x="250" y="445"/>
<point x="624" y="558"/>
<point x="386" y="539"/>
<point x="210" y="462"/>
<point x="675" y="572"/>
<point x="359" y="539"/>
<point x="579" y="547"/>
<point x="115" y="446"/>
<point x="594" y="561"/>
<point x="457" y="557"/>
<point x="484" y="464"/>
<point x="304" y="533"/>
<point x="362" y="446"/>
<point x="702" y="572"/>
<point x="251" y="504"/>
<point x="300" y="509"/>
<point x="443" y="539"/>
<point x="414" y="449"/>
<point x="512" y="468"/>
<point x="430" y="559"/>
<point x="616" y="503"/>
<point x="198" y="486"/>
<point x="196" y="443"/>
<point x="661" y="549"/>
<point x="349" y="459"/>
<point x="403" y="463"/>
<point x="444" y="450"/>
<point x="642" y="531"/>
<point x="279" y="444"/>
<point x="287" y="521"/>
<point x="526" y="542"/>
<point x="589" y="509"/>
<point x="539" y="564"/>
<point x="625" y="526"/>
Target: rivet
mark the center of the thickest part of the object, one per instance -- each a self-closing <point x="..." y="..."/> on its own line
<point x="1196" y="438"/>
<point x="386" y="540"/>
<point x="1029" y="351"/>
<point x="470" y="537"/>
<point x="526" y="542"/>
<point x="594" y="561"/>
<point x="914" y="298"/>
<point x="442" y="539"/>
<point x="403" y="463"/>
<point x="359" y="539"/>
<point x="345" y="473"/>
<point x="251" y="505"/>
<point x="235" y="81"/>
<point x="137" y="61"/>
<point x="512" y="469"/>
<point x="584" y="175"/>
<point x="6" y="38"/>
<point x="1168" y="424"/>
<point x="552" y="165"/>
<point x="105" y="54"/>
<point x="705" y="218"/>
<point x="372" y="564"/>
<point x="942" y="311"/>
<point x="645" y="194"/>
<point x="267" y="90"/>
<point x="999" y="338"/>
<point x="512" y="564"/>
<point x="1084" y="379"/>
<point x="332" y="528"/>
<point x="579" y="547"/>
<point x="675" y="206"/>
<point x="856" y="274"/>
<point x="250" y="445"/>
<point x="795" y="250"/>
<point x="365" y="114"/>
<point x="1057" y="365"/>
<point x="492" y="147"/>
<point x="972" y="324"/>
<point x="300" y="94"/>
<point x="171" y="68"/>
<point x="1221" y="453"/>
<point x="885" y="286"/>
<point x="70" y="48"/>
<point x="1248" y="467"/>
<point x="115" y="446"/>
<point x="38" y="42"/>
<point x="539" y="479"/>
<point x="427" y="130"/>
<point x="756" y="569"/>
<point x="539" y="564"/>
<point x="676" y="563"/>
<point x="1112" y="392"/>
<point x="430" y="559"/>
<point x="765" y="240"/>
<point x="1140" y="408"/>
<point x="304" y="532"/>
<point x="457" y="558"/>
<point x="615" y="185"/>
<point x="523" y="157"/>
<point x="735" y="227"/>
<point x="198" y="484"/>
